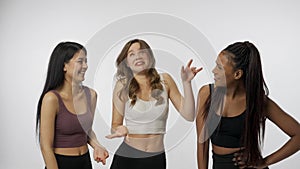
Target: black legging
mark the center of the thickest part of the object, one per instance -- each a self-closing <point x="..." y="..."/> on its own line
<point x="73" y="162"/>
<point x="224" y="162"/>
<point x="127" y="157"/>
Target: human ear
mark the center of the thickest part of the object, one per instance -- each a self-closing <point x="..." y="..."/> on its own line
<point x="65" y="67"/>
<point x="238" y="74"/>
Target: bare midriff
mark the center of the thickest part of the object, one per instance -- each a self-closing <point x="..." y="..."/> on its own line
<point x="73" y="151"/>
<point x="146" y="142"/>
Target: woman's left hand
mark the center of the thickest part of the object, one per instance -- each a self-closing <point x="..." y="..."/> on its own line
<point x="100" y="154"/>
<point x="239" y="161"/>
<point x="188" y="73"/>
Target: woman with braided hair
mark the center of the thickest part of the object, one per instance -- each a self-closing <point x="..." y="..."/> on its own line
<point x="232" y="113"/>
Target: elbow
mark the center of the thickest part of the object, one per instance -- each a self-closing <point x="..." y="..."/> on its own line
<point x="190" y="119"/>
<point x="46" y="148"/>
<point x="188" y="114"/>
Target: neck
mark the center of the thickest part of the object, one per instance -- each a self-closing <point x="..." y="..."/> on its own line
<point x="235" y="90"/>
<point x="71" y="88"/>
<point x="142" y="80"/>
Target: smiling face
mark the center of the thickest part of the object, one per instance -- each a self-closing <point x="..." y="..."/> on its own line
<point x="224" y="73"/>
<point x="75" y="69"/>
<point x="137" y="59"/>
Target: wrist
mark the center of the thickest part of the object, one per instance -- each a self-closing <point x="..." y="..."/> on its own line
<point x="97" y="147"/>
<point x="266" y="162"/>
<point x="184" y="82"/>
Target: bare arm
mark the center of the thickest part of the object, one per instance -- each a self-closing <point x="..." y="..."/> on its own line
<point x="100" y="153"/>
<point x="47" y="125"/>
<point x="184" y="105"/>
<point x="118" y="108"/>
<point x="288" y="125"/>
<point x="202" y="142"/>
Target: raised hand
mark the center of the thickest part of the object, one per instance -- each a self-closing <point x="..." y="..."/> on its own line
<point x="120" y="131"/>
<point x="188" y="73"/>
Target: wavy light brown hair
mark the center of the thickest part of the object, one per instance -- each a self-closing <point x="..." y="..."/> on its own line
<point x="125" y="76"/>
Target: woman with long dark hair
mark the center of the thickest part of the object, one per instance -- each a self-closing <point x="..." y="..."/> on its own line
<point x="65" y="112"/>
<point x="141" y="98"/>
<point x="233" y="111"/>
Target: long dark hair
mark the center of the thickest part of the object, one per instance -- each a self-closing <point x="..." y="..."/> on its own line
<point x="61" y="54"/>
<point x="245" y="56"/>
<point x="125" y="75"/>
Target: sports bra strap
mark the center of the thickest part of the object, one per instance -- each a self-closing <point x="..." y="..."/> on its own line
<point x="211" y="88"/>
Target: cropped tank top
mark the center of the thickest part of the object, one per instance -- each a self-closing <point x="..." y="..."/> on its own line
<point x="71" y="130"/>
<point x="229" y="131"/>
<point x="145" y="117"/>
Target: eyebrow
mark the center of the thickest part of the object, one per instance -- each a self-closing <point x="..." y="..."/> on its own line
<point x="81" y="58"/>
<point x="219" y="64"/>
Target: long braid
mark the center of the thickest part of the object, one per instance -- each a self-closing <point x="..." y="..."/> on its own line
<point x="247" y="57"/>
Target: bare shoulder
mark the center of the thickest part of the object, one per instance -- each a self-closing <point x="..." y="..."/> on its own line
<point x="166" y="77"/>
<point x="270" y="106"/>
<point x="50" y="103"/>
<point x="204" y="91"/>
<point x="168" y="81"/>
<point x="203" y="95"/>
<point x="50" y="98"/>
<point x="93" y="93"/>
<point x="120" y="84"/>
<point x="118" y="92"/>
<point x="273" y="111"/>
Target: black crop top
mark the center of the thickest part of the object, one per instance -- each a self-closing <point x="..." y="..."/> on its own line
<point x="229" y="131"/>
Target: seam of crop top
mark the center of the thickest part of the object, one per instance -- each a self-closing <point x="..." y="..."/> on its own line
<point x="60" y="101"/>
<point x="232" y="117"/>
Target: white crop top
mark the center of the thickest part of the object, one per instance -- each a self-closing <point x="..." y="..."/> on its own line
<point x="145" y="117"/>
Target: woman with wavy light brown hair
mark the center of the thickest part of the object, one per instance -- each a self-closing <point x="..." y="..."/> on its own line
<point x="141" y="97"/>
<point x="232" y="113"/>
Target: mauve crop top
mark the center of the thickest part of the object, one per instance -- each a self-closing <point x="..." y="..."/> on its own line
<point x="229" y="131"/>
<point x="71" y="130"/>
<point x="145" y="117"/>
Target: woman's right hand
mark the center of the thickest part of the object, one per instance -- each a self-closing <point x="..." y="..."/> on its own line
<point x="120" y="131"/>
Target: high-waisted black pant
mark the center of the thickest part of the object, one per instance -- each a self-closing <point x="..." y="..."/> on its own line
<point x="127" y="157"/>
<point x="73" y="162"/>
<point x="224" y="162"/>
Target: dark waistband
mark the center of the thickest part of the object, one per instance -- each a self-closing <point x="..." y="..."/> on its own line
<point x="126" y="150"/>
<point x="72" y="156"/>
<point x="222" y="156"/>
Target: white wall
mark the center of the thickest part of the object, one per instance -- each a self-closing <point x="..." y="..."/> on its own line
<point x="30" y="30"/>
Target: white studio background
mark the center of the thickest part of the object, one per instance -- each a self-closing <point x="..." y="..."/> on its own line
<point x="29" y="31"/>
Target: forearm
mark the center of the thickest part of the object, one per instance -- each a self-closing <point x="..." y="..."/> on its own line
<point x="291" y="147"/>
<point x="93" y="141"/>
<point x="188" y="102"/>
<point x="49" y="158"/>
<point x="202" y="155"/>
